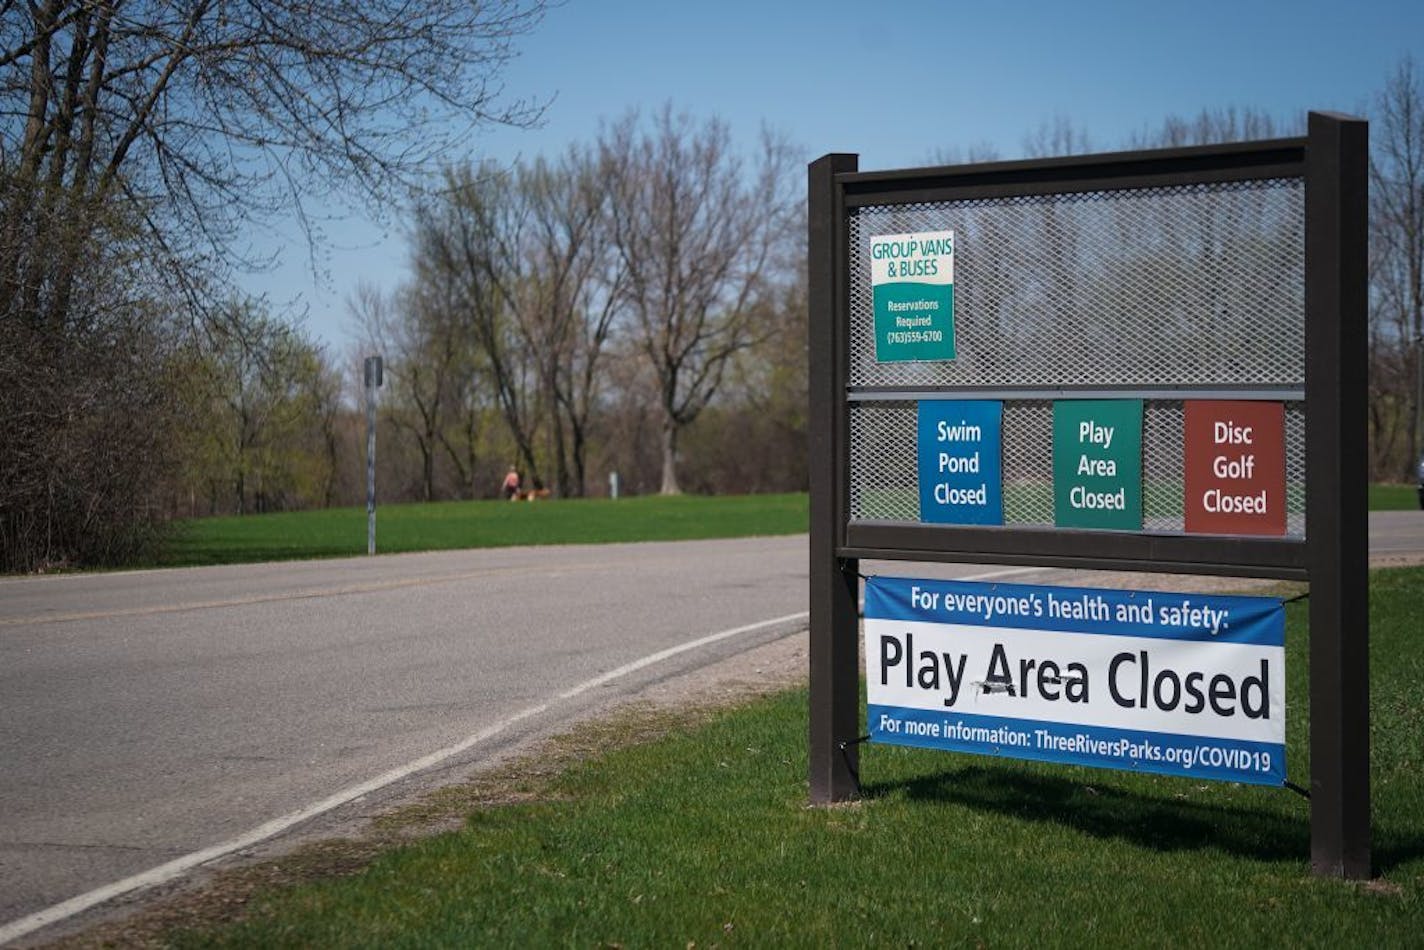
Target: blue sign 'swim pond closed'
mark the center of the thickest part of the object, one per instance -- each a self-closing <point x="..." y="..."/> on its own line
<point x="1181" y="684"/>
<point x="960" y="461"/>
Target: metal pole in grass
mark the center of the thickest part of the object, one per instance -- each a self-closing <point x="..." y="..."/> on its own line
<point x="375" y="373"/>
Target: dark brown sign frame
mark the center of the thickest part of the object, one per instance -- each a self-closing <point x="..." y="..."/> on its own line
<point x="1332" y="160"/>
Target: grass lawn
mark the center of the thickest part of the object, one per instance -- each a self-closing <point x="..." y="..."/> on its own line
<point x="1394" y="498"/>
<point x="703" y="836"/>
<point x="341" y="532"/>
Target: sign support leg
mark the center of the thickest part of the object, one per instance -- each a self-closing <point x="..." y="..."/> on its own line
<point x="835" y="667"/>
<point x="1335" y="296"/>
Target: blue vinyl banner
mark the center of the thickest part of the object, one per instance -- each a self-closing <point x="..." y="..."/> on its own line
<point x="960" y="461"/>
<point x="1178" y="684"/>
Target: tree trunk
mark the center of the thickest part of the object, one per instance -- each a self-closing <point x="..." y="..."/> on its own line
<point x="427" y="470"/>
<point x="579" y="455"/>
<point x="562" y="475"/>
<point x="1416" y="397"/>
<point x="670" y="486"/>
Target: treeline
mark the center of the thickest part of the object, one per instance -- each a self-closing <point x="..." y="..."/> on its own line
<point x="636" y="305"/>
<point x="1396" y="344"/>
<point x="139" y="144"/>
<point x="579" y="316"/>
<point x="549" y="306"/>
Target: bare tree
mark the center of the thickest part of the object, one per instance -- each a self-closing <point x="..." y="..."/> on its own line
<point x="470" y="242"/>
<point x="697" y="236"/>
<point x="1397" y="272"/>
<point x="326" y="402"/>
<point x="1058" y="137"/>
<point x="575" y="280"/>
<point x="522" y="265"/>
<point x="261" y="409"/>
<point x="976" y="153"/>
<point x="436" y="389"/>
<point x="86" y="446"/>
<point x="462" y="379"/>
<point x="137" y="140"/>
<point x="1212" y="126"/>
<point x="739" y="444"/>
<point x="200" y="115"/>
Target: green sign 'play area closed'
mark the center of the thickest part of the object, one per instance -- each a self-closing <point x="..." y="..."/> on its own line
<point x="912" y="278"/>
<point x="1097" y="463"/>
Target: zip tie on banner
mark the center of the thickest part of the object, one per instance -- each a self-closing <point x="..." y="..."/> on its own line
<point x="844" y="745"/>
<point x="841" y="563"/>
<point x="1297" y="597"/>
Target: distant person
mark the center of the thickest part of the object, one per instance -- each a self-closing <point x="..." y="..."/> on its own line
<point x="511" y="485"/>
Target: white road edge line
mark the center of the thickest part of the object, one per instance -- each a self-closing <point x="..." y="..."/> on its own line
<point x="176" y="867"/>
<point x="172" y="869"/>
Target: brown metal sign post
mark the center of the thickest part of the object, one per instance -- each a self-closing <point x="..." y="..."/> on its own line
<point x="1337" y="192"/>
<point x="1166" y="279"/>
<point x="835" y="702"/>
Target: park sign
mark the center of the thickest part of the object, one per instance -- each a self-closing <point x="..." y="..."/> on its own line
<point x="1234" y="467"/>
<point x="1139" y="429"/>
<point x="1097" y="463"/>
<point x="960" y="465"/>
<point x="1176" y="684"/>
<point x="912" y="281"/>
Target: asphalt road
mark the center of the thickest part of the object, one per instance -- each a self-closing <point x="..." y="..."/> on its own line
<point x="1396" y="534"/>
<point x="147" y="716"/>
<point x="150" y="715"/>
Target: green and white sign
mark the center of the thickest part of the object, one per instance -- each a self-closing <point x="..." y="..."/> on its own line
<point x="912" y="280"/>
<point x="1097" y="464"/>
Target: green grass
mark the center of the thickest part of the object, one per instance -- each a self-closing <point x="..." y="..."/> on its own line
<point x="1394" y="498"/>
<point x="341" y="532"/>
<point x="704" y="837"/>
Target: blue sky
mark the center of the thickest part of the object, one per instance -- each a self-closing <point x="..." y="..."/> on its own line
<point x="896" y="82"/>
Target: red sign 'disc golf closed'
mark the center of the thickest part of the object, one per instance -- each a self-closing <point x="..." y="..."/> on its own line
<point x="1235" y="467"/>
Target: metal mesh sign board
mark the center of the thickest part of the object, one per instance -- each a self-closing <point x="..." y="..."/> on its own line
<point x="1146" y="361"/>
<point x="1171" y="291"/>
<point x="1162" y="284"/>
<point x="885" y="484"/>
